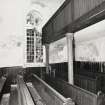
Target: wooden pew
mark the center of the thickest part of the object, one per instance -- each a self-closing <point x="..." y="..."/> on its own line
<point x="14" y="95"/>
<point x="35" y="95"/>
<point x="2" y="81"/>
<point x="80" y="96"/>
<point x="24" y="97"/>
<point x="48" y="94"/>
<point x="91" y="84"/>
<point x="5" y="99"/>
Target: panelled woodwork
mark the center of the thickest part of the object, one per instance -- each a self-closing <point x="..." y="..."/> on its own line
<point x="83" y="6"/>
<point x="72" y="16"/>
<point x="45" y="36"/>
<point x="87" y="75"/>
<point x="92" y="84"/>
<point x="30" y="70"/>
<point x="79" y="95"/>
<point x="92" y="72"/>
<point x="93" y="67"/>
<point x="48" y="94"/>
<point x="61" y="70"/>
<point x="59" y="22"/>
<point x="49" y="29"/>
<point x="61" y="19"/>
<point x="68" y="14"/>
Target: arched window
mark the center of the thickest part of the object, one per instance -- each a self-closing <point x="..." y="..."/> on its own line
<point x="34" y="47"/>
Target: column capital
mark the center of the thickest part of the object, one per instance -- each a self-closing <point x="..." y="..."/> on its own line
<point x="69" y="35"/>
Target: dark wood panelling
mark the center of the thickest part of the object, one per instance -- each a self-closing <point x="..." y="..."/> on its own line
<point x="73" y="16"/>
<point x="92" y="84"/>
<point x="49" y="29"/>
<point x="94" y="67"/>
<point x="58" y="11"/>
<point x="81" y="7"/>
<point x="68" y="14"/>
<point x="63" y="18"/>
<point x="60" y="19"/>
<point x="80" y="96"/>
<point x="87" y="75"/>
<point x="93" y="71"/>
<point x="30" y="70"/>
<point x="39" y="71"/>
<point x="61" y="70"/>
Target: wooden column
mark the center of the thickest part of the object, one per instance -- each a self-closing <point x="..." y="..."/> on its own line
<point x="47" y="58"/>
<point x="69" y="37"/>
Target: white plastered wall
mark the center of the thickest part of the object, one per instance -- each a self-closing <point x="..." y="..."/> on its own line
<point x="90" y="43"/>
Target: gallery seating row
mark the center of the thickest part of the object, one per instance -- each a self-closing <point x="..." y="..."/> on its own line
<point x="78" y="95"/>
<point x="95" y="67"/>
<point x="89" y="83"/>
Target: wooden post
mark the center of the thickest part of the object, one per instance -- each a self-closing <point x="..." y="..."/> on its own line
<point x="69" y="37"/>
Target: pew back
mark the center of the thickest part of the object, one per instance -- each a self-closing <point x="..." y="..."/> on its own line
<point x="50" y="95"/>
<point x="79" y="96"/>
<point x="91" y="84"/>
<point x="35" y="95"/>
<point x="2" y="81"/>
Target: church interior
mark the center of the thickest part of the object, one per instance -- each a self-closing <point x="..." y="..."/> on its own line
<point x="52" y="52"/>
